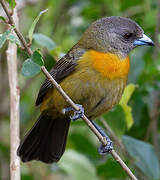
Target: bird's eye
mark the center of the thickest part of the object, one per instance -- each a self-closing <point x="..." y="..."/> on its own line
<point x="127" y="35"/>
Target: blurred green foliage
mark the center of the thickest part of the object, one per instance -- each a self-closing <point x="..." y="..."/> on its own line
<point x="55" y="33"/>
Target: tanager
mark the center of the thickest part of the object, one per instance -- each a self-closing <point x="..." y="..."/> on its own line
<point x="94" y="74"/>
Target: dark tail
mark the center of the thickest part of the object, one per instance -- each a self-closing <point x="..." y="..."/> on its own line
<point x="46" y="140"/>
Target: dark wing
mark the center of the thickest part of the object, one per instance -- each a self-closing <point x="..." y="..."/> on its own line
<point x="61" y="69"/>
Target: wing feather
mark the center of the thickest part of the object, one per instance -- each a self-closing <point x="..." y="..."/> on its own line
<point x="65" y="66"/>
<point x="61" y="69"/>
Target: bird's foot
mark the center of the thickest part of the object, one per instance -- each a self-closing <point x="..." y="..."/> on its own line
<point x="77" y="114"/>
<point x="103" y="150"/>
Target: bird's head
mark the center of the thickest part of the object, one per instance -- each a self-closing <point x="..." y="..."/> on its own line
<point x="114" y="34"/>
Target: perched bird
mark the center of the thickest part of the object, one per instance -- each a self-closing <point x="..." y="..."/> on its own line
<point x="94" y="74"/>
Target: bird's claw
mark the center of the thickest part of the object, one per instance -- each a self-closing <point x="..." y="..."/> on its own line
<point x="103" y="150"/>
<point x="77" y="114"/>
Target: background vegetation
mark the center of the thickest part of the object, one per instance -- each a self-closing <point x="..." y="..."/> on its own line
<point x="134" y="121"/>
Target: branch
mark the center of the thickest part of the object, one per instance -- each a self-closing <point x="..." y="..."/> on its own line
<point x="14" y="107"/>
<point x="12" y="23"/>
<point x="66" y="97"/>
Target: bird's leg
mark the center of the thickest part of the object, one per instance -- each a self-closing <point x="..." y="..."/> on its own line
<point x="77" y="114"/>
<point x="103" y="150"/>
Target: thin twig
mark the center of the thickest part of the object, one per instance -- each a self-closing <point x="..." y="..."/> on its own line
<point x="123" y="165"/>
<point x="12" y="23"/>
<point x="14" y="106"/>
<point x="67" y="98"/>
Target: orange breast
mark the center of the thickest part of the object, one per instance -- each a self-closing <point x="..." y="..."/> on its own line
<point x="97" y="76"/>
<point x="109" y="65"/>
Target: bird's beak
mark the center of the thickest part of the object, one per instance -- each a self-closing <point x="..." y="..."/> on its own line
<point x="145" y="40"/>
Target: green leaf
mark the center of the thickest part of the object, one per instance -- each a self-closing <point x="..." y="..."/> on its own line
<point x="11" y="37"/>
<point x="127" y="93"/>
<point x="44" y="41"/>
<point x="77" y="166"/>
<point x="14" y="39"/>
<point x="57" y="51"/>
<point x="128" y="115"/>
<point x="124" y="101"/>
<point x="4" y="36"/>
<point x="31" y="30"/>
<point x="144" y="155"/>
<point x="27" y="177"/>
<point x="30" y="68"/>
<point x="12" y="3"/>
<point x="3" y="18"/>
<point x="37" y="58"/>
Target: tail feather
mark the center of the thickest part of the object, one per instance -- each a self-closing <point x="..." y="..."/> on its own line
<point x="46" y="140"/>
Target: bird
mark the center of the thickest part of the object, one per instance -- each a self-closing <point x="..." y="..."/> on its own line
<point x="94" y="74"/>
